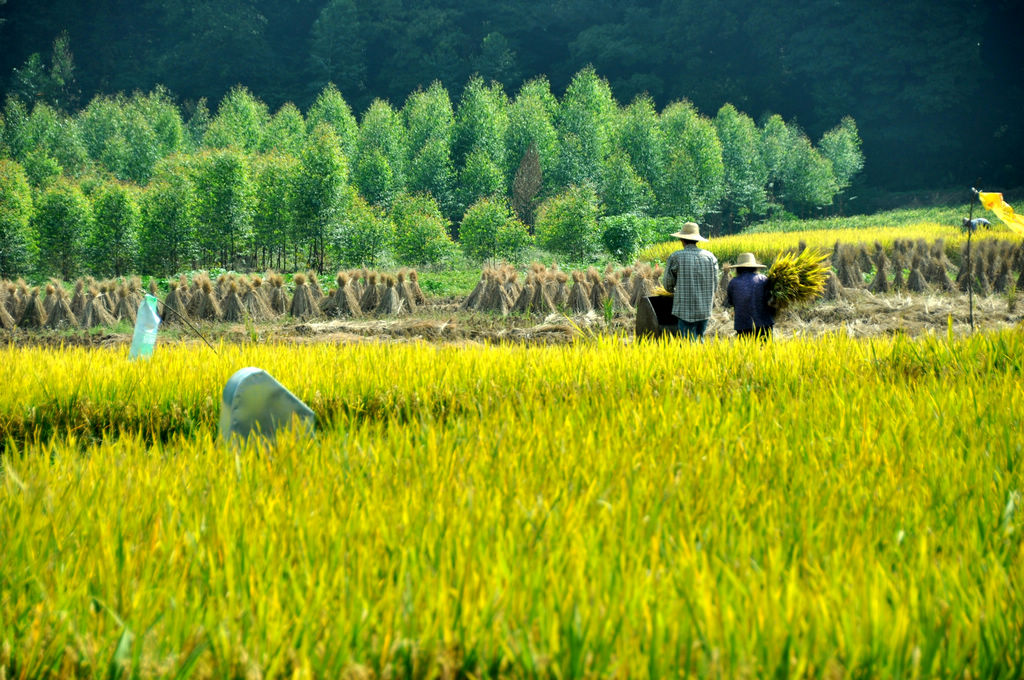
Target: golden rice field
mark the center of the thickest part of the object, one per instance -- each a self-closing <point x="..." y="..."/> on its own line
<point x="766" y="245"/>
<point x="831" y="508"/>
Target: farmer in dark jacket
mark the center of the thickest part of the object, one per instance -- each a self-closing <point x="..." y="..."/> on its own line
<point x="747" y="294"/>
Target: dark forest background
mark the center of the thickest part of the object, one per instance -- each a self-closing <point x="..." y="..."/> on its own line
<point x="935" y="87"/>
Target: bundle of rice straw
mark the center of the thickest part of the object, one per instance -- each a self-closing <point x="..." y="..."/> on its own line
<point x="898" y="282"/>
<point x="6" y="320"/>
<point x="494" y="297"/>
<point x="328" y="304"/>
<point x="135" y="285"/>
<point x="880" y="284"/>
<point x="303" y="304"/>
<point x="510" y="281"/>
<point x="78" y="299"/>
<point x="833" y="289"/>
<point x="579" y="296"/>
<point x="473" y="301"/>
<point x="125" y="309"/>
<point x="135" y="294"/>
<point x="797" y="277"/>
<point x="258" y="289"/>
<point x="525" y="299"/>
<point x="642" y="286"/>
<point x="173" y="310"/>
<point x="231" y="305"/>
<point x="391" y="302"/>
<point x="561" y="295"/>
<point x="222" y="285"/>
<point x="417" y="292"/>
<point x="613" y="291"/>
<point x="314" y="286"/>
<point x="95" y="312"/>
<point x="278" y="296"/>
<point x="21" y="296"/>
<point x="597" y="292"/>
<point x="209" y="306"/>
<point x="254" y="304"/>
<point x="406" y="292"/>
<point x="34" y="316"/>
<point x="51" y="296"/>
<point x="916" y="281"/>
<point x="108" y="294"/>
<point x="345" y="301"/>
<point x="371" y="294"/>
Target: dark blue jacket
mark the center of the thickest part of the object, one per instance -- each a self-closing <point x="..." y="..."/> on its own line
<point x="748" y="294"/>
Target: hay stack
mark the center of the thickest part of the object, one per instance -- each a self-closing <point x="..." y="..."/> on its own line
<point x="51" y="297"/>
<point x="935" y="272"/>
<point x="61" y="316"/>
<point x="345" y="301"/>
<point x="222" y="285"/>
<point x="21" y="297"/>
<point x="833" y="289"/>
<point x="34" y="316"/>
<point x="208" y="308"/>
<point x="848" y="269"/>
<point x="414" y="283"/>
<point x="916" y="281"/>
<point x="509" y="278"/>
<point x="6" y="320"/>
<point x="579" y="296"/>
<point x="494" y="297"/>
<point x="108" y="296"/>
<point x="371" y="294"/>
<point x="253" y="302"/>
<point x="614" y="291"/>
<point x="880" y="284"/>
<point x="643" y="285"/>
<point x="231" y="306"/>
<point x="596" y="288"/>
<point x="561" y="296"/>
<point x="135" y="286"/>
<point x="195" y="297"/>
<point x="898" y="282"/>
<point x="525" y="299"/>
<point x="391" y="303"/>
<point x="303" y="305"/>
<point x="473" y="301"/>
<point x="278" y="295"/>
<point x="125" y="309"/>
<point x="314" y="286"/>
<point x="1002" y="280"/>
<point x="723" y="286"/>
<point x="174" y="306"/>
<point x="95" y="312"/>
<point x="406" y="292"/>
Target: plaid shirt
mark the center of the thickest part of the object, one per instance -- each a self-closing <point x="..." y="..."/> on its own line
<point x="692" y="276"/>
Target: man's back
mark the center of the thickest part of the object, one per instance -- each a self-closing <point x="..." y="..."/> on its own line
<point x="692" y="276"/>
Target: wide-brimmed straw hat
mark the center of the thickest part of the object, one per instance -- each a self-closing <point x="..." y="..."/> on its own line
<point x="747" y="260"/>
<point x="689" y="232"/>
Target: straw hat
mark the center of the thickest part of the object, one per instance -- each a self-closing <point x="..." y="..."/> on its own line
<point x="747" y="260"/>
<point x="689" y="232"/>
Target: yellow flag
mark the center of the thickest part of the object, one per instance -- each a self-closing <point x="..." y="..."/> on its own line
<point x="994" y="201"/>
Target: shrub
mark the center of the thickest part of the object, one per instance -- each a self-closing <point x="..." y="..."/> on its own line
<point x="567" y="223"/>
<point x="624" y="236"/>
<point x="365" y="235"/>
<point x="62" y="220"/>
<point x="490" y="229"/>
<point x="17" y="244"/>
<point x="421" y="231"/>
<point x="113" y="242"/>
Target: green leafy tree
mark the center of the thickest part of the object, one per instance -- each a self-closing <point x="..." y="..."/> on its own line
<point x="16" y="129"/>
<point x="337" y="50"/>
<point x="622" y="189"/>
<point x="586" y="123"/>
<point x="62" y="220"/>
<point x="277" y="177"/>
<point x="197" y="125"/>
<point x="745" y="173"/>
<point x="421" y="231"/>
<point x="480" y="177"/>
<point x="42" y="169"/>
<point x="167" y="239"/>
<point x="241" y="121"/>
<point x="567" y="223"/>
<point x="163" y="118"/>
<point x="365" y="236"/>
<point x="527" y="184"/>
<point x="112" y="245"/>
<point x="321" y="192"/>
<point x="490" y="229"/>
<point x="331" y="108"/>
<point x="841" y="146"/>
<point x="55" y="86"/>
<point x="381" y="157"/>
<point x="224" y="206"/>
<point x="429" y="117"/>
<point x="17" y="242"/>
<point x="531" y="123"/>
<point x="481" y="123"/>
<point x="776" y="139"/>
<point x="431" y="171"/>
<point x="626" y="235"/>
<point x="691" y="184"/>
<point x="639" y="136"/>
<point x="808" y="181"/>
<point x="286" y="131"/>
<point x="58" y="136"/>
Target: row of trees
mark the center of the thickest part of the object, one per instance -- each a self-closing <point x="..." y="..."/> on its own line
<point x="271" y="186"/>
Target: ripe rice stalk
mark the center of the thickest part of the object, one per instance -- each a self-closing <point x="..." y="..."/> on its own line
<point x="579" y="295"/>
<point x="303" y="305"/>
<point x="231" y="306"/>
<point x="391" y="303"/>
<point x="797" y="278"/>
<point x="126" y="310"/>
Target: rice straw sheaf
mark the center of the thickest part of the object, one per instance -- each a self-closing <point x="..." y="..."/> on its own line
<point x="314" y="286"/>
<point x="391" y="302"/>
<point x="795" y="278"/>
<point x="406" y="292"/>
<point x="345" y="301"/>
<point x="231" y="306"/>
<point x="95" y="313"/>
<point x="899" y="283"/>
<point x="135" y="286"/>
<point x="209" y="305"/>
<point x="494" y="298"/>
<point x="175" y="303"/>
<point x="125" y="309"/>
<point x="472" y="301"/>
<point x="833" y="289"/>
<point x="414" y="283"/>
<point x="6" y="320"/>
<point x="34" y="316"/>
<point x="279" y="303"/>
<point x="916" y="282"/>
<point x="642" y="286"/>
<point x="614" y="292"/>
<point x="525" y="299"/>
<point x="579" y="296"/>
<point x="51" y="296"/>
<point x="61" y="315"/>
<point x="254" y="303"/>
<point x="303" y="305"/>
<point x="371" y="294"/>
<point x="880" y="284"/>
<point x="561" y="295"/>
<point x="597" y="291"/>
<point x="79" y="298"/>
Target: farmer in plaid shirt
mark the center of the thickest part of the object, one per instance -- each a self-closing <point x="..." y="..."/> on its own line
<point x="691" y="274"/>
